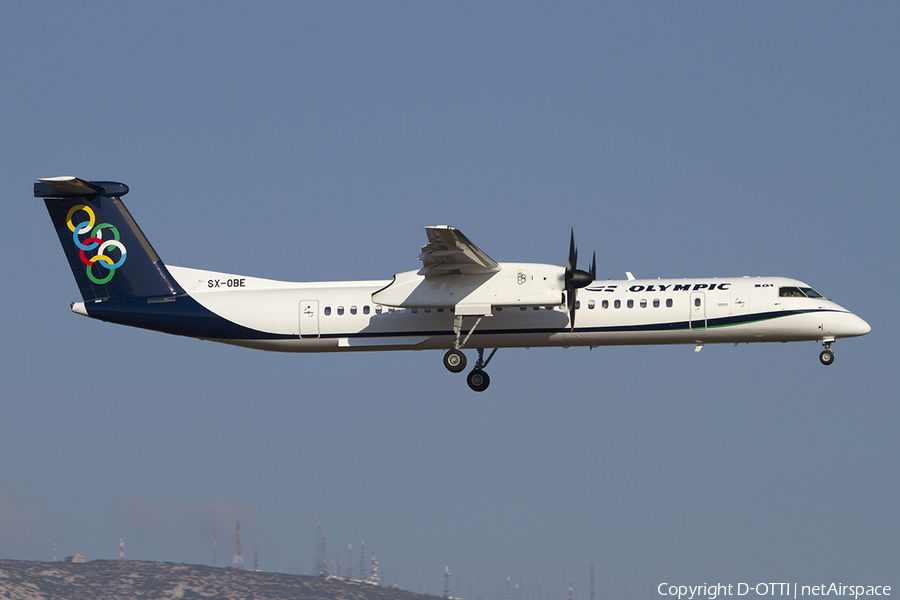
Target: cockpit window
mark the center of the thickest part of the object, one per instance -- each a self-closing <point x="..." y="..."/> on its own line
<point x="799" y="292"/>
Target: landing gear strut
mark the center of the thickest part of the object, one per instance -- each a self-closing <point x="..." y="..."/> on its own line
<point x="827" y="356"/>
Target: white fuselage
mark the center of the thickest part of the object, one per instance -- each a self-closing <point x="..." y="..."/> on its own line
<point x="336" y="316"/>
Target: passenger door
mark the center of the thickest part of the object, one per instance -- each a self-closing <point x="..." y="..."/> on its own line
<point x="309" y="318"/>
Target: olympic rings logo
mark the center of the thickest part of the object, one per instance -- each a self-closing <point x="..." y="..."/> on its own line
<point x="520" y="277"/>
<point x="95" y="241"/>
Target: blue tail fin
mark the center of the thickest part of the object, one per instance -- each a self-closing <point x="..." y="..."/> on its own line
<point x="109" y="254"/>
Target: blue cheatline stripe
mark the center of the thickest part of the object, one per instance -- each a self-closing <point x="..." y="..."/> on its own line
<point x="729" y="321"/>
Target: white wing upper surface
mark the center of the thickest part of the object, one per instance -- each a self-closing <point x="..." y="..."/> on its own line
<point x="449" y="252"/>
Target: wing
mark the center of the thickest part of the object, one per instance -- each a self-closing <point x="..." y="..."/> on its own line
<point x="449" y="252"/>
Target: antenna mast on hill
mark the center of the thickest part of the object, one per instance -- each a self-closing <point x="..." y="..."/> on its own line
<point x="447" y="582"/>
<point x="321" y="556"/>
<point x="362" y="561"/>
<point x="121" y="547"/>
<point x="238" y="561"/>
<point x="373" y="574"/>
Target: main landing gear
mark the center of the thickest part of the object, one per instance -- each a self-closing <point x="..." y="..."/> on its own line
<point x="478" y="380"/>
<point x="455" y="360"/>
<point x="827" y="356"/>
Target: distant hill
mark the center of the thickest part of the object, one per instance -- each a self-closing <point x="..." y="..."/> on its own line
<point x="117" y="580"/>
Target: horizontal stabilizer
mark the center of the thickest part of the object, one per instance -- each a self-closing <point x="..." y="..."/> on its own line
<point x="72" y="187"/>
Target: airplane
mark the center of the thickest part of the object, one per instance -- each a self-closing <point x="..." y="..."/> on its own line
<point x="459" y="299"/>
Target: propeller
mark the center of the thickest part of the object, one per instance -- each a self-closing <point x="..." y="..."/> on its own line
<point x="576" y="278"/>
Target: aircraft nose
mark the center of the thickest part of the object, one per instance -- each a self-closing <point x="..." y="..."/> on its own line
<point x="854" y="326"/>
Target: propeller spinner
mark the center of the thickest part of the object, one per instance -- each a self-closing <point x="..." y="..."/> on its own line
<point x="576" y="278"/>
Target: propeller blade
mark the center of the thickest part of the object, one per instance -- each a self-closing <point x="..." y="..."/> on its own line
<point x="573" y="253"/>
<point x="576" y="278"/>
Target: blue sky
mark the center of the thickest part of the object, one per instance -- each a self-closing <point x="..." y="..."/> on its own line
<point x="313" y="141"/>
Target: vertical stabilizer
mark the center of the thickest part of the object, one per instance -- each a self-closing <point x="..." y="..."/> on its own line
<point x="109" y="255"/>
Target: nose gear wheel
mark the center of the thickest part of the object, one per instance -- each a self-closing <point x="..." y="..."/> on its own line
<point x="827" y="356"/>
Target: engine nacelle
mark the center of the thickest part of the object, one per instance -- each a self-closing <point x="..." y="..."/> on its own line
<point x="515" y="284"/>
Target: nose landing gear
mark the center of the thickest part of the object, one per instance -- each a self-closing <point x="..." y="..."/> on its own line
<point x="827" y="356"/>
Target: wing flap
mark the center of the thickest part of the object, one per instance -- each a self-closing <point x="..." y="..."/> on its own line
<point x="449" y="252"/>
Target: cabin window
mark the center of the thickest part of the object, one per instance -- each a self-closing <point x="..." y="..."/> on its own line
<point x="522" y="307"/>
<point x="591" y="304"/>
<point x="618" y="304"/>
<point x="656" y="303"/>
<point x="428" y="310"/>
<point x="327" y="311"/>
<point x="577" y="304"/>
<point x="415" y="310"/>
<point x="378" y="309"/>
<point x="631" y="304"/>
<point x="340" y="310"/>
<point x="668" y="303"/>
<point x="643" y="303"/>
<point x="353" y="310"/>
<point x="697" y="301"/>
<point x="366" y="309"/>
<point x="605" y="304"/>
<point x="440" y="310"/>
